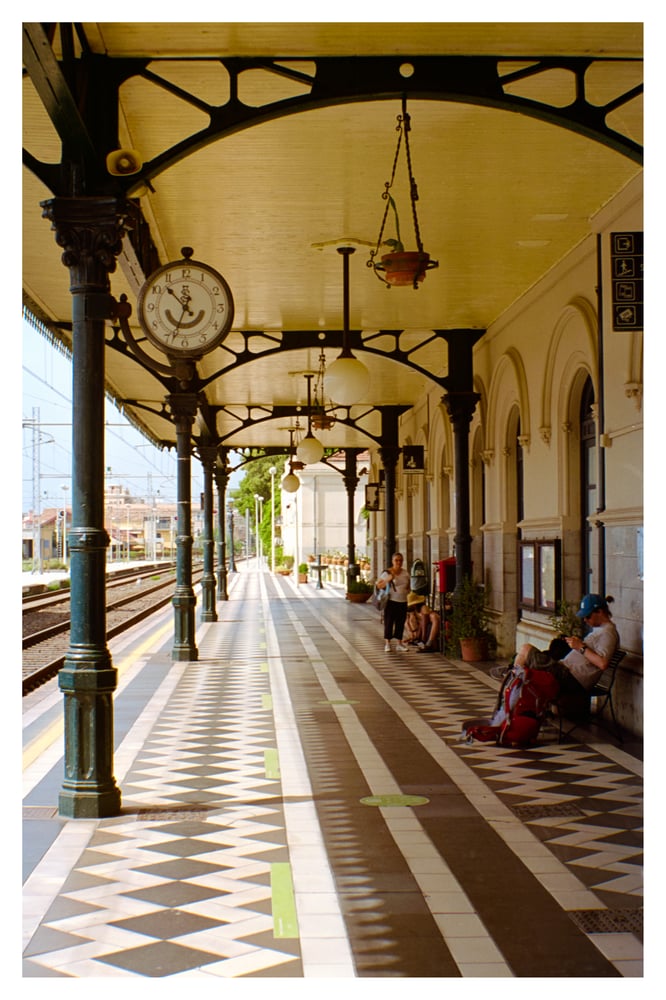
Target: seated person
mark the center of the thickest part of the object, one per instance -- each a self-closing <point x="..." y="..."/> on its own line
<point x="423" y="624"/>
<point x="579" y="670"/>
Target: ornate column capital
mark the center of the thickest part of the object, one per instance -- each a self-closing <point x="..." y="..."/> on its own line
<point x="90" y="231"/>
<point x="221" y="476"/>
<point x="183" y="405"/>
<point x="460" y="406"/>
<point x="207" y="455"/>
<point x="389" y="456"/>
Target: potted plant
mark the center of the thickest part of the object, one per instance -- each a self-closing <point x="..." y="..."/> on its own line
<point x="469" y="621"/>
<point x="565" y="622"/>
<point x="400" y="266"/>
<point x="303" y="572"/>
<point x="285" y="566"/>
<point x="358" y="591"/>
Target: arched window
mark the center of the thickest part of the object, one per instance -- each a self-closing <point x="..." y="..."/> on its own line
<point x="588" y="483"/>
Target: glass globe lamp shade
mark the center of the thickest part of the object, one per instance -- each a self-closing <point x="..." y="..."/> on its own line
<point x="290" y="483"/>
<point x="346" y="381"/>
<point x="310" y="450"/>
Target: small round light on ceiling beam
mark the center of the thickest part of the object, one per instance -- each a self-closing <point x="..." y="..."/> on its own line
<point x="346" y="381"/>
<point x="310" y="450"/>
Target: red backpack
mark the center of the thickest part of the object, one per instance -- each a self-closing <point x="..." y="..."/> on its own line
<point x="524" y="700"/>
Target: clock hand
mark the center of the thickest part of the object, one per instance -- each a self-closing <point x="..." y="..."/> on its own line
<point x="184" y="298"/>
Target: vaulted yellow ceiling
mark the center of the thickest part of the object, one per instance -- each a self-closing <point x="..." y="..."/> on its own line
<point x="503" y="196"/>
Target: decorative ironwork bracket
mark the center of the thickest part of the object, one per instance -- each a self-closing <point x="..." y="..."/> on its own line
<point x="298" y="84"/>
<point x="381" y="343"/>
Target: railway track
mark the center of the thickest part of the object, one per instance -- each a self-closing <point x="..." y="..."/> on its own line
<point x="46" y="623"/>
<point x="42" y="595"/>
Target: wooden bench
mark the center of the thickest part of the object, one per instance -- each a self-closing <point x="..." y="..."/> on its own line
<point x="602" y="690"/>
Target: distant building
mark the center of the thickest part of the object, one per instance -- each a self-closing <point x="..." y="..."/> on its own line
<point x="137" y="528"/>
<point x="314" y="519"/>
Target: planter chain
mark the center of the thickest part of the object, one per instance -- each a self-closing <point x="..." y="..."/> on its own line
<point x="386" y="195"/>
<point x="413" y="190"/>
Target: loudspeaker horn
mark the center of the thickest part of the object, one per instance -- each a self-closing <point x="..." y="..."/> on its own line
<point x="123" y="161"/>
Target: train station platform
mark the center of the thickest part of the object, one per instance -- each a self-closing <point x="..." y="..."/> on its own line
<point x="297" y="803"/>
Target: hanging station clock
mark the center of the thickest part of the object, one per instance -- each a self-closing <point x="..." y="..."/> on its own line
<point x="185" y="308"/>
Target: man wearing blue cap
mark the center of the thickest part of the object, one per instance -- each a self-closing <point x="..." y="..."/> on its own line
<point x="582" y="666"/>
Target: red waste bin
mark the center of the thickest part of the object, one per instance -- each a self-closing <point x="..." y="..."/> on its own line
<point x="446" y="574"/>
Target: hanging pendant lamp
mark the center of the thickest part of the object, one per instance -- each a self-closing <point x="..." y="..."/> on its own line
<point x="291" y="483"/>
<point x="322" y="420"/>
<point x="347" y="379"/>
<point x="310" y="449"/>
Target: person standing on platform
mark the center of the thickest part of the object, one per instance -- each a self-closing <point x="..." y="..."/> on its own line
<point x="395" y="611"/>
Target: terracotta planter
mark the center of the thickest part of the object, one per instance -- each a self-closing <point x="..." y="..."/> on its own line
<point x="357" y="598"/>
<point x="302" y="577"/>
<point x="405" y="268"/>
<point x="474" y="649"/>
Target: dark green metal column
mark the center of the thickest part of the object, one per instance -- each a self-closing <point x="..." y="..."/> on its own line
<point x="350" y="478"/>
<point x="90" y="231"/>
<point x="232" y="557"/>
<point x="221" y="480"/>
<point x="208" y="454"/>
<point x="460" y="402"/>
<point x="389" y="454"/>
<point x="184" y="407"/>
<point x="460" y="407"/>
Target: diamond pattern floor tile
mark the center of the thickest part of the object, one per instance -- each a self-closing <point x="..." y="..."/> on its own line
<point x="180" y="884"/>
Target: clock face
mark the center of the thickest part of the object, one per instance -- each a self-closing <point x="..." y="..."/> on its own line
<point x="186" y="308"/>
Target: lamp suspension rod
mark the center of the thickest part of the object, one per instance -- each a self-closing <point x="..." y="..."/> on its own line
<point x="309" y="378"/>
<point x="346" y="253"/>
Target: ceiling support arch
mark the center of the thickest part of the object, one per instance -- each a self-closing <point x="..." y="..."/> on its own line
<point x="490" y="81"/>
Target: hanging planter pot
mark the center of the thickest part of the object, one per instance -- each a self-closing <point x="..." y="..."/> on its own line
<point x="405" y="268"/>
<point x="398" y="266"/>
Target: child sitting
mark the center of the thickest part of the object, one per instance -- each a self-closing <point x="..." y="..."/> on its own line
<point x="423" y="624"/>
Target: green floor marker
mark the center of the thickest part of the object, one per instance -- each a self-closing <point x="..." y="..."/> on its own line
<point x="394" y="800"/>
<point x="267" y="702"/>
<point x="285" y="921"/>
<point x="272" y="764"/>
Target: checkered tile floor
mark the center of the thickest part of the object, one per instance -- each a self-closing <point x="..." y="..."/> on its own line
<point x="299" y="803"/>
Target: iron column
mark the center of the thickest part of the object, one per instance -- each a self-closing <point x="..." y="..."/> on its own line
<point x="184" y="407"/>
<point x="350" y="478"/>
<point x="232" y="558"/>
<point x="208" y="454"/>
<point x="460" y="401"/>
<point x="389" y="453"/>
<point x="221" y="478"/>
<point x="90" y="231"/>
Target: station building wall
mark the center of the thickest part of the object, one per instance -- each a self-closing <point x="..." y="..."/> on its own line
<point x="549" y="352"/>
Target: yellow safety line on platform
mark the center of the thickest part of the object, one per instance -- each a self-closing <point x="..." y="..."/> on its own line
<point x="40" y="743"/>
